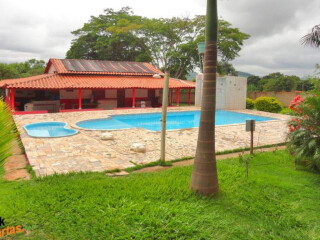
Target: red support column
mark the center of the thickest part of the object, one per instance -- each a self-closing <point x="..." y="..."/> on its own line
<point x="189" y="97"/>
<point x="80" y="98"/>
<point x="133" y="98"/>
<point x="12" y="99"/>
<point x="171" y="97"/>
<point x="178" y="96"/>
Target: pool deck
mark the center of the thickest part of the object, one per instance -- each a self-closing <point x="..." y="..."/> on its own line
<point x="86" y="151"/>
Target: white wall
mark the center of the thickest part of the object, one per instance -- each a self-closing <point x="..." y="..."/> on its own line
<point x="231" y="92"/>
<point x="236" y="92"/>
<point x="198" y="94"/>
<point x="51" y="69"/>
<point x="221" y="93"/>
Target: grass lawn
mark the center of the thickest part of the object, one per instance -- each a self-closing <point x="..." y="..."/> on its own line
<point x="276" y="202"/>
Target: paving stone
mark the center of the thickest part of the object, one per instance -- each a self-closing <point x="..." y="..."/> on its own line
<point x="117" y="174"/>
<point x="96" y="164"/>
<point x="15" y="162"/>
<point x="15" y="150"/>
<point x="122" y="173"/>
<point x="87" y="152"/>
<point x="20" y="174"/>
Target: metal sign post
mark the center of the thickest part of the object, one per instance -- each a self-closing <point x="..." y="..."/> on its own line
<point x="251" y="127"/>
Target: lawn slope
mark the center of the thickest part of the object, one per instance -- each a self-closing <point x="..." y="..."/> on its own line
<point x="276" y="202"/>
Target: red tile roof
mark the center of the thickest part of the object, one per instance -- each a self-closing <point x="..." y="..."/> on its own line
<point x="62" y="81"/>
<point x="95" y="74"/>
<point x="83" y="66"/>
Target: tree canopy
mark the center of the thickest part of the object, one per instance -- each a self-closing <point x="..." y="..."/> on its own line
<point x="168" y="43"/>
<point x="114" y="35"/>
<point x="19" y="70"/>
<point x="276" y="82"/>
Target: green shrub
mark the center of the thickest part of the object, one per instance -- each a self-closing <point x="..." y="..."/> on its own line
<point x="268" y="104"/>
<point x="249" y="103"/>
<point x="7" y="133"/>
<point x="287" y="111"/>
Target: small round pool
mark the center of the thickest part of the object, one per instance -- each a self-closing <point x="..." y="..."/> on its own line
<point x="49" y="130"/>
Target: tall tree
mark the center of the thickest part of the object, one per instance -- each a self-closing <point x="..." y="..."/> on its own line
<point x="226" y="68"/>
<point x="114" y="35"/>
<point x="282" y="83"/>
<point x="254" y="80"/>
<point x="7" y="71"/>
<point x="307" y="84"/>
<point x="204" y="177"/>
<point x="168" y="43"/>
<point x="23" y="69"/>
<point x="273" y="82"/>
<point x="172" y="43"/>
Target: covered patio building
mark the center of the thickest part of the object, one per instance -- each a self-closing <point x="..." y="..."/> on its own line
<point x="71" y="84"/>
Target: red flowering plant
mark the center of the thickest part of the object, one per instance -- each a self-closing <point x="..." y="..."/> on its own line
<point x="295" y="104"/>
<point x="304" y="131"/>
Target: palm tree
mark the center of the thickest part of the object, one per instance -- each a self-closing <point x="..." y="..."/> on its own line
<point x="204" y="179"/>
<point x="313" y="38"/>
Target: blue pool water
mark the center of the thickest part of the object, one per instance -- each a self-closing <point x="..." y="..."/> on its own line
<point x="49" y="129"/>
<point x="175" y="120"/>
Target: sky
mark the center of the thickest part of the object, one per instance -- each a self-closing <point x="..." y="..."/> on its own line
<point x="42" y="29"/>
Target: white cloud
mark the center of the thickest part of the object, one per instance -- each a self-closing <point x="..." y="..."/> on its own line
<point x="42" y="29"/>
<point x="276" y="28"/>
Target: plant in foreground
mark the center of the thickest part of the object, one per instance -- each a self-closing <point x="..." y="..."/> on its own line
<point x="304" y="131"/>
<point x="287" y="111"/>
<point x="7" y="131"/>
<point x="245" y="160"/>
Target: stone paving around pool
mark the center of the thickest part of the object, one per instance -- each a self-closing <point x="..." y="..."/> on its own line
<point x="86" y="151"/>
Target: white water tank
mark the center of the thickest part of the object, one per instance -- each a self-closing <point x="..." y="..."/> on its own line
<point x="231" y="92"/>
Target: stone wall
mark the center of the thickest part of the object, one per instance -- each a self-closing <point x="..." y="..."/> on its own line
<point x="284" y="97"/>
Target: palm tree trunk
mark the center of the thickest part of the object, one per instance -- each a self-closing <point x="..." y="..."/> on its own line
<point x="204" y="177"/>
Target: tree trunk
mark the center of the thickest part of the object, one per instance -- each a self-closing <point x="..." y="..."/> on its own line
<point x="204" y="179"/>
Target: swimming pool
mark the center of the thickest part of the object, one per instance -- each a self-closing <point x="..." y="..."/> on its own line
<point x="175" y="120"/>
<point x="49" y="130"/>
